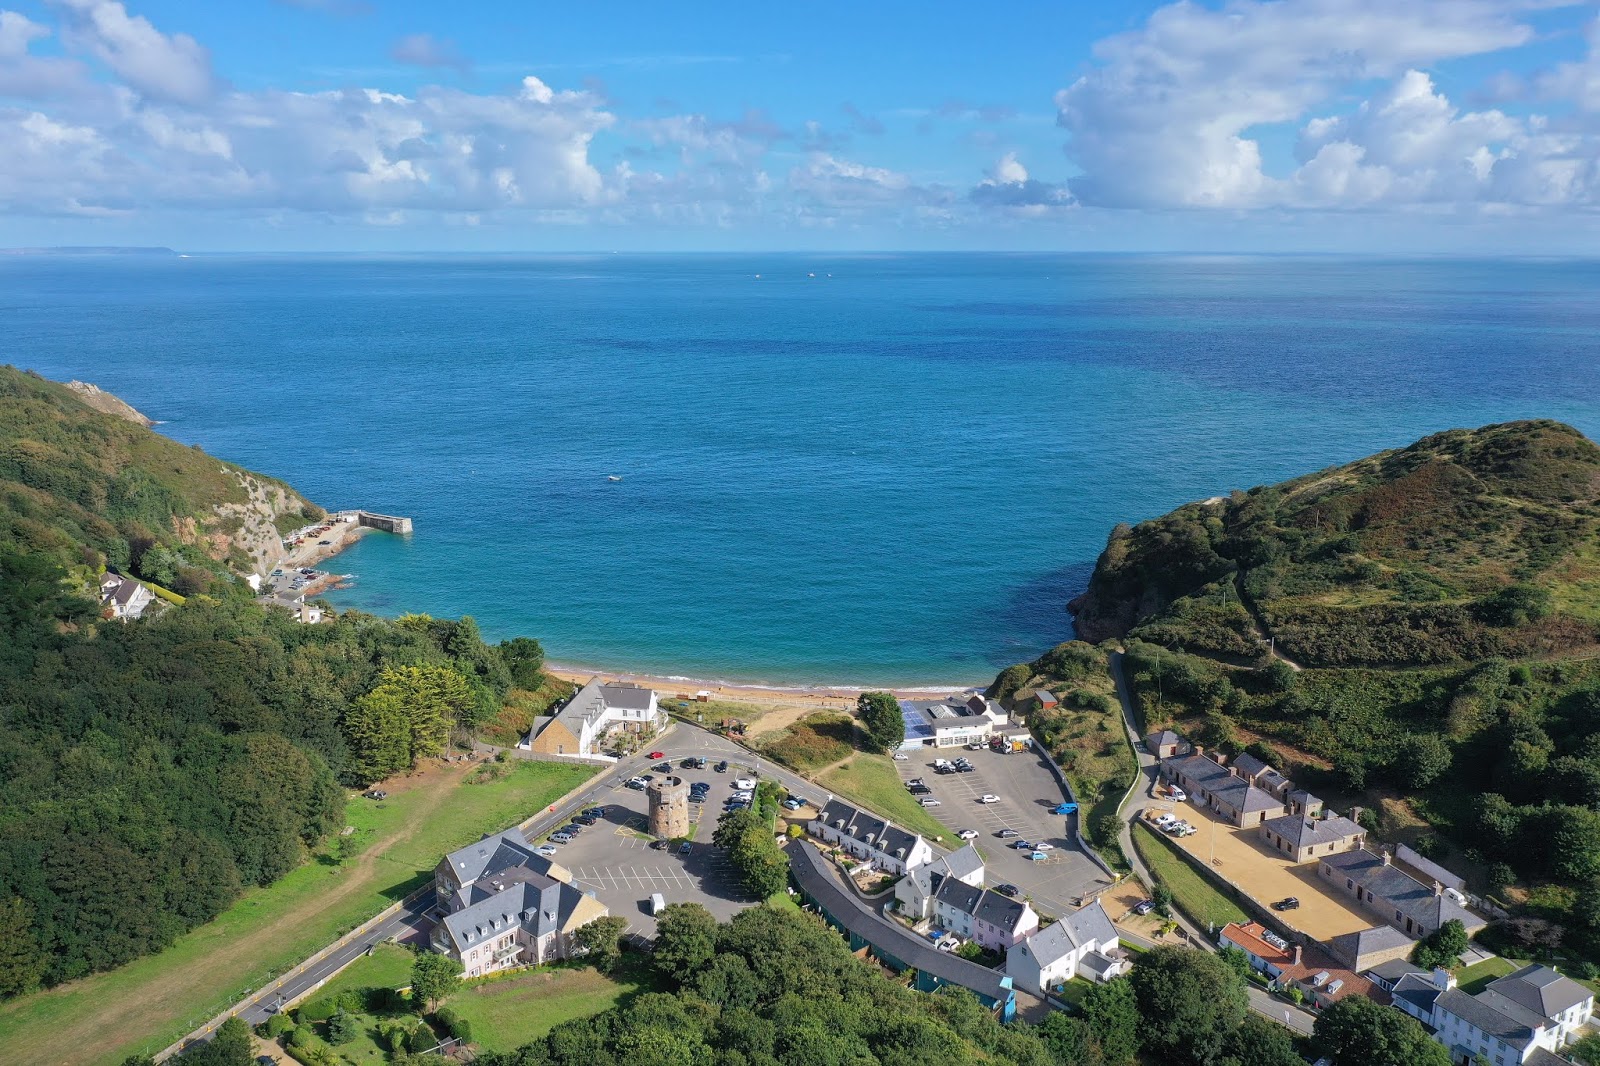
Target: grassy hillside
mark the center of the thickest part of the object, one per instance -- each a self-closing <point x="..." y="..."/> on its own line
<point x="88" y="488"/>
<point x="1434" y="613"/>
<point x="1466" y="545"/>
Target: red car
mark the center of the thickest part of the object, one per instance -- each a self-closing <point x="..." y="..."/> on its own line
<point x="656" y="755"/>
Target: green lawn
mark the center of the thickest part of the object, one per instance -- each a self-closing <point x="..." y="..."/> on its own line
<point x="507" y="1014"/>
<point x="872" y="780"/>
<point x="1472" y="979"/>
<point x="389" y="966"/>
<point x="1193" y="894"/>
<point x="151" y="1002"/>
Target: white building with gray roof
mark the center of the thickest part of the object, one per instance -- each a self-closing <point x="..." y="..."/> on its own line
<point x="914" y="892"/>
<point x="869" y="838"/>
<point x="1082" y="944"/>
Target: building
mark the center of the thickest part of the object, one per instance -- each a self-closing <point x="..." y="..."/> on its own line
<point x="1083" y="944"/>
<point x="1522" y="1017"/>
<point x="987" y="918"/>
<point x="869" y="838"/>
<point x="1231" y="796"/>
<point x="669" y="807"/>
<point x="505" y="906"/>
<point x="1303" y="837"/>
<point x="304" y="613"/>
<point x="892" y="944"/>
<point x="1394" y="895"/>
<point x="952" y="722"/>
<point x="913" y="893"/>
<point x="1367" y="948"/>
<point x="123" y="598"/>
<point x="1318" y="976"/>
<point x="595" y="711"/>
<point x="1040" y="699"/>
<point x="1166" y="744"/>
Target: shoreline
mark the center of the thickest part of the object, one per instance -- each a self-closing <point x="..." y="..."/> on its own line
<point x="672" y="685"/>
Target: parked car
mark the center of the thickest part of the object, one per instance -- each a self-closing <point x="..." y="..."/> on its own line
<point x="1287" y="904"/>
<point x="968" y="834"/>
<point x="656" y="755"/>
<point x="988" y="797"/>
<point x="916" y="781"/>
<point x="744" y="784"/>
<point x="686" y="763"/>
<point x="1023" y="845"/>
<point x="662" y="768"/>
<point x="585" y="819"/>
<point x="791" y="805"/>
<point x="685" y="848"/>
<point x="572" y="830"/>
<point x="1184" y="829"/>
<point x="560" y="838"/>
<point x="964" y="769"/>
<point x="928" y="801"/>
<point x="660" y="845"/>
<point x="1166" y="819"/>
<point x="1144" y="906"/>
<point x="636" y="783"/>
<point x="598" y="812"/>
<point x="1177" y="793"/>
<point x="1008" y="890"/>
<point x="546" y="850"/>
<point x="700" y="762"/>
<point x="919" y="790"/>
<point x="376" y="794"/>
<point x="1044" y="845"/>
<point x="647" y="778"/>
<point x="975" y="746"/>
<point x="900" y="756"/>
<point x="1007" y="834"/>
<point x="722" y="767"/>
<point x="736" y="805"/>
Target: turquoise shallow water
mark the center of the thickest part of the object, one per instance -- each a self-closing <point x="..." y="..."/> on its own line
<point x="896" y="471"/>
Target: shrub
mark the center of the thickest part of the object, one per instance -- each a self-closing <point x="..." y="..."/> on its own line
<point x="318" y="1010"/>
<point x="350" y="1001"/>
<point x="276" y="1026"/>
<point x="343" y="1027"/>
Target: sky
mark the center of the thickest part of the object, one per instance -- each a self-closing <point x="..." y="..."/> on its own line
<point x="1381" y="126"/>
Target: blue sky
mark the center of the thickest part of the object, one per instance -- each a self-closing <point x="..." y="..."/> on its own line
<point x="1288" y="125"/>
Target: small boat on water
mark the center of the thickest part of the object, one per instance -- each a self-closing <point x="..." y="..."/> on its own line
<point x="613" y="477"/>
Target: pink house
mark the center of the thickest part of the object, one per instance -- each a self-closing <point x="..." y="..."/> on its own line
<point x="985" y="917"/>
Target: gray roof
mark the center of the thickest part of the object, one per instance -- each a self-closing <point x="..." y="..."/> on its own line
<point x="626" y="696"/>
<point x="959" y="896"/>
<point x="1492" y="1014"/>
<point x="869" y="829"/>
<point x="1390" y="972"/>
<point x="1197" y="768"/>
<point x="890" y="938"/>
<point x="1240" y="793"/>
<point x="1302" y="831"/>
<point x="1350" y="947"/>
<point x="1001" y="912"/>
<point x="963" y="862"/>
<point x="1540" y="1057"/>
<point x="1090" y="922"/>
<point x="530" y="901"/>
<point x="1400" y="890"/>
<point x="1418" y="990"/>
<point x="1098" y="964"/>
<point x="1162" y="739"/>
<point x="1541" y="990"/>
<point x="1249" y="766"/>
<point x="496" y="854"/>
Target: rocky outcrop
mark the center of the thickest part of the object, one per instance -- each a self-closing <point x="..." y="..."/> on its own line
<point x="106" y="403"/>
<point x="251" y="527"/>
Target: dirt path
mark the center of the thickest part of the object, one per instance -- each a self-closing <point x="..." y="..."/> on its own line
<point x="1263" y="634"/>
<point x="120" y="1016"/>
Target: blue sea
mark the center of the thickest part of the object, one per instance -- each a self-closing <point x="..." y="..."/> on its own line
<point x="886" y="469"/>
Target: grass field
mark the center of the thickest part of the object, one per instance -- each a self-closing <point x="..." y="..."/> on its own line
<point x="1191" y="892"/>
<point x="152" y="1001"/>
<point x="1472" y="979"/>
<point x="872" y="780"/>
<point x="389" y="966"/>
<point x="507" y="1014"/>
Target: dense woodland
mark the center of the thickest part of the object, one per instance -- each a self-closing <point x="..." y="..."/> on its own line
<point x="151" y="771"/>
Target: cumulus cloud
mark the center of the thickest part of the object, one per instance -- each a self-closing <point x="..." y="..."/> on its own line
<point x="426" y="50"/>
<point x="1009" y="186"/>
<point x="23" y="74"/>
<point x="1164" y="118"/>
<point x="173" y="68"/>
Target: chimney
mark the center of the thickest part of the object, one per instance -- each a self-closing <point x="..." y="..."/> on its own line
<point x="1298" y="949"/>
<point x="1443" y="979"/>
<point x="1387" y="858"/>
<point x="1199" y="749"/>
<point x="1355" y="815"/>
<point x="1438" y="889"/>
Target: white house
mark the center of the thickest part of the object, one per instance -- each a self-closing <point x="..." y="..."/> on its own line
<point x="869" y="838"/>
<point x="952" y="722"/>
<point x="595" y="710"/>
<point x="1514" y="1019"/>
<point x="913" y="893"/>
<point x="991" y="920"/>
<point x="124" y="597"/>
<point x="1083" y="944"/>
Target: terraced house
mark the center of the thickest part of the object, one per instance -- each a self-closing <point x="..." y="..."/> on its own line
<point x="1234" y="795"/>
<point x="985" y="917"/>
<point x="1521" y="1019"/>
<point x="1395" y="896"/>
<point x="869" y="838"/>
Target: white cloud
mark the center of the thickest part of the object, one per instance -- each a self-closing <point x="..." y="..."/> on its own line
<point x="29" y="76"/>
<point x="1165" y="118"/>
<point x="172" y="68"/>
<point x="825" y="179"/>
<point x="1008" y="185"/>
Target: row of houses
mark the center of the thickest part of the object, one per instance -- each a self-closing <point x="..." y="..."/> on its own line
<point x="1522" y="1018"/>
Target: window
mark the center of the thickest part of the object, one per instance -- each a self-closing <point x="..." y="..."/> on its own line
<point x="1351" y="884"/>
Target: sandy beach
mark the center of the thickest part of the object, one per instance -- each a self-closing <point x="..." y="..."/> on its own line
<point x="842" y="697"/>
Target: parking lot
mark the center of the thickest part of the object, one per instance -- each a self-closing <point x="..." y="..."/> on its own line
<point x="1028" y="795"/>
<point x="614" y="858"/>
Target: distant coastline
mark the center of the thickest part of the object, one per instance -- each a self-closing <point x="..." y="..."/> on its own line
<point x="96" y="249"/>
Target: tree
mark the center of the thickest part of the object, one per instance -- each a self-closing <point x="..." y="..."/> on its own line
<point x="880" y="717"/>
<point x="343" y="1027"/>
<point x="524" y="659"/>
<point x="1442" y="947"/>
<point x="1112" y="1014"/>
<point x="1070" y="1040"/>
<point x="21" y="963"/>
<point x="1258" y="1042"/>
<point x="1280" y="675"/>
<point x="1190" y="1002"/>
<point x="601" y="939"/>
<point x="1357" y="1032"/>
<point x="1424" y="759"/>
<point x="1161" y="896"/>
<point x="232" y="1045"/>
<point x="686" y="939"/>
<point x="1237" y="961"/>
<point x="433" y="977"/>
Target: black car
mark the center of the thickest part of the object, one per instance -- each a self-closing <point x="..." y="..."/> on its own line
<point x="662" y="768"/>
<point x="1007" y="834"/>
<point x="921" y="790"/>
<point x="722" y="767"/>
<point x="572" y="830"/>
<point x="1288" y="904"/>
<point x="585" y="819"/>
<point x="660" y="845"/>
<point x="596" y="812"/>
<point x="1008" y="890"/>
<point x="964" y="769"/>
<point x="687" y="764"/>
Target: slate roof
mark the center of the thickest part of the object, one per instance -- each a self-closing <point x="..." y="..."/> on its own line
<point x="530" y="901"/>
<point x="1242" y="795"/>
<point x="1404" y="892"/>
<point x="496" y="854"/>
<point x="1418" y="990"/>
<point x="1197" y="768"/>
<point x="963" y="862"/>
<point x="1351" y="946"/>
<point x="1098" y="964"/>
<point x="1541" y="990"/>
<point x="886" y="837"/>
<point x="811" y="874"/>
<point x="1247" y="765"/>
<point x="1163" y="739"/>
<point x="1492" y="1014"/>
<point x="1303" y="832"/>
<point x="958" y="896"/>
<point x="626" y="696"/>
<point x="1390" y="972"/>
<point x="1000" y="912"/>
<point x="1086" y="925"/>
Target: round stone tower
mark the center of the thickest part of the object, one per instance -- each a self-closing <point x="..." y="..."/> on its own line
<point x="669" y="807"/>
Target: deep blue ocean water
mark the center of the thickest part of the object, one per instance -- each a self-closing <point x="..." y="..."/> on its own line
<point x="896" y="471"/>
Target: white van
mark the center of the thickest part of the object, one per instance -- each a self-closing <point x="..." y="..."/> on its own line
<point x="658" y="903"/>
